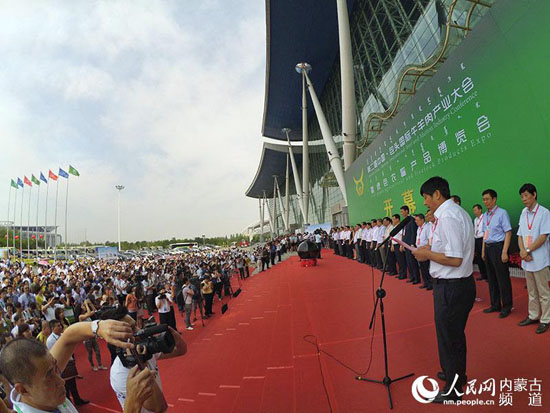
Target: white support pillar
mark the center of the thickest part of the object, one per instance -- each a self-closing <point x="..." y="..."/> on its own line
<point x="266" y="207"/>
<point x="332" y="150"/>
<point x="287" y="193"/>
<point x="349" y="110"/>
<point x="275" y="220"/>
<point x="261" y="220"/>
<point x="297" y="182"/>
<point x="281" y="207"/>
<point x="305" y="149"/>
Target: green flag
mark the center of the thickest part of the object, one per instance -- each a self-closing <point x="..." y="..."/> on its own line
<point x="73" y="171"/>
<point x="34" y="180"/>
<point x="14" y="184"/>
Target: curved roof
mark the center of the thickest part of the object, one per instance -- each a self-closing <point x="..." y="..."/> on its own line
<point x="297" y="31"/>
<point x="273" y="162"/>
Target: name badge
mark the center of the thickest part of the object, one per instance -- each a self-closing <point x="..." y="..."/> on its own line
<point x="486" y="235"/>
<point x="528" y="241"/>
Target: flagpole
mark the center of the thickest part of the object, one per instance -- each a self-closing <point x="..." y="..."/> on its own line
<point x="46" y="218"/>
<point x="36" y="232"/>
<point x="21" y="223"/>
<point x="55" y="221"/>
<point x="66" y="205"/>
<point x="14" y="216"/>
<point x="8" y="223"/>
<point x="29" y="224"/>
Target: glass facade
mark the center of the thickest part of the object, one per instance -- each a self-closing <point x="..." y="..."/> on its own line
<point x="397" y="45"/>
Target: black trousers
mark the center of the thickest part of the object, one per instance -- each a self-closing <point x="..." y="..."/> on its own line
<point x="367" y="253"/>
<point x="390" y="266"/>
<point x="477" y="258"/>
<point x="265" y="262"/>
<point x="71" y="389"/>
<point x="320" y="246"/>
<point x="400" y="258"/>
<point x="151" y="307"/>
<point x="208" y="298"/>
<point x="425" y="271"/>
<point x="452" y="305"/>
<point x="412" y="266"/>
<point x="168" y="318"/>
<point x="335" y="246"/>
<point x="498" y="275"/>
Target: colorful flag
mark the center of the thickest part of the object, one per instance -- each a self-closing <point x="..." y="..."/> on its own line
<point x="63" y="173"/>
<point x="35" y="180"/>
<point x="26" y="180"/>
<point x="52" y="175"/>
<point x="43" y="178"/>
<point x="33" y="236"/>
<point x="73" y="171"/>
<point x="20" y="182"/>
<point x="14" y="184"/>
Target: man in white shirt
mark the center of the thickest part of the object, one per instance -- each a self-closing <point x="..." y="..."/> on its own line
<point x="422" y="239"/>
<point x="534" y="247"/>
<point x="35" y="372"/>
<point x="478" y="235"/>
<point x="399" y="255"/>
<point x="451" y="266"/>
<point x="368" y="241"/>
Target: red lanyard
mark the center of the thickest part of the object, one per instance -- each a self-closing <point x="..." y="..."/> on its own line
<point x="491" y="217"/>
<point x="420" y="234"/>
<point x="533" y="221"/>
<point x="479" y="221"/>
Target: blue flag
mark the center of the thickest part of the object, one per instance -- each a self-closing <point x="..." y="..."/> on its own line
<point x="20" y="182"/>
<point x="63" y="173"/>
<point x="43" y="178"/>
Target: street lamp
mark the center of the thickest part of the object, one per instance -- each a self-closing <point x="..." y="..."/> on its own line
<point x="203" y="240"/>
<point x="120" y="188"/>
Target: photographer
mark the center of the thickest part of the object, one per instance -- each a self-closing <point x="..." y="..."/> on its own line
<point x="163" y="302"/>
<point x="34" y="372"/>
<point x="188" y="294"/>
<point x="91" y="344"/>
<point x="119" y="373"/>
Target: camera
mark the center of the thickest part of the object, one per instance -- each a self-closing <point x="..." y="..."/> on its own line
<point x="148" y="341"/>
<point x="99" y="313"/>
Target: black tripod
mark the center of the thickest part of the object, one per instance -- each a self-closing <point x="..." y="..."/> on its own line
<point x="380" y="294"/>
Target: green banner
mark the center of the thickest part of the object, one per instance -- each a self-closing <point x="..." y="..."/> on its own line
<point x="482" y="121"/>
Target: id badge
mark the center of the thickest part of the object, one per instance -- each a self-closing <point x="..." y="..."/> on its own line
<point x="528" y="241"/>
<point x="486" y="235"/>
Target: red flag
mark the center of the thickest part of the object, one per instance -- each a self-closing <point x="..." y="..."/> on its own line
<point x="27" y="181"/>
<point x="41" y="236"/>
<point x="33" y="237"/>
<point x="52" y="175"/>
<point x="17" y="237"/>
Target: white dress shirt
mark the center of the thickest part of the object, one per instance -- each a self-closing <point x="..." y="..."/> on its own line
<point x="539" y="221"/>
<point x="478" y="227"/>
<point x="453" y="236"/>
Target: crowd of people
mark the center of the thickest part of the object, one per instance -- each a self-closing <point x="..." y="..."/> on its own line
<point x="41" y="302"/>
<point x="492" y="240"/>
<point x="445" y="242"/>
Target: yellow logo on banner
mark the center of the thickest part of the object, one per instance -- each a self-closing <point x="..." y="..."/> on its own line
<point x="359" y="187"/>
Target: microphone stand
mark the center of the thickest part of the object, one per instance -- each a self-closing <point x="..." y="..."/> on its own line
<point x="380" y="294"/>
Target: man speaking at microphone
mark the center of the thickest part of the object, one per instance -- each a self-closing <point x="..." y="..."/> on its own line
<point x="451" y="255"/>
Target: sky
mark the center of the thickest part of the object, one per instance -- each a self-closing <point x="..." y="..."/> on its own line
<point x="163" y="97"/>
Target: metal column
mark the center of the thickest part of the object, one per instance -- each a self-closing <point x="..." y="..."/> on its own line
<point x="349" y="110"/>
<point x="332" y="150"/>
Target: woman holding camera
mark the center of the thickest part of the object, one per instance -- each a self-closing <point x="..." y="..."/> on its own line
<point x="163" y="302"/>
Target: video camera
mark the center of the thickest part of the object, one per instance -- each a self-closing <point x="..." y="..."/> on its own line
<point x="148" y="341"/>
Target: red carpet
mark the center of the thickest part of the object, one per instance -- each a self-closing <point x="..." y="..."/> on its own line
<point x="254" y="357"/>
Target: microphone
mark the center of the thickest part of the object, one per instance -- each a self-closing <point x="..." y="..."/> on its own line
<point x="396" y="230"/>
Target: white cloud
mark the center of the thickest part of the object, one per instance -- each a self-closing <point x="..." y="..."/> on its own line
<point x="164" y="97"/>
